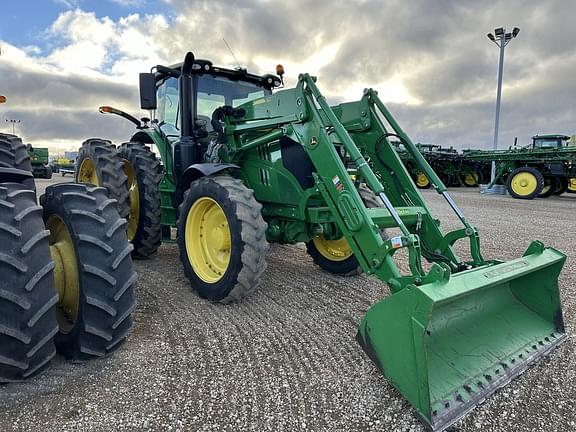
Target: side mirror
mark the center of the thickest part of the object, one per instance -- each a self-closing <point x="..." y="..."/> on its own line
<point x="148" y="91"/>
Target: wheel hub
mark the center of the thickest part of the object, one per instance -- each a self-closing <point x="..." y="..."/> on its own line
<point x="66" y="276"/>
<point x="134" y="215"/>
<point x="208" y="239"/>
<point x="87" y="173"/>
<point x="334" y="250"/>
<point x="524" y="183"/>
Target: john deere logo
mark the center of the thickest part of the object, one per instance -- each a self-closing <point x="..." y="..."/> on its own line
<point x="500" y="270"/>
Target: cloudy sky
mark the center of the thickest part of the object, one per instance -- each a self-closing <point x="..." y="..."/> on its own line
<point x="430" y="60"/>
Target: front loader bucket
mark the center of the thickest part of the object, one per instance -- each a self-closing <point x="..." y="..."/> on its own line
<point x="447" y="345"/>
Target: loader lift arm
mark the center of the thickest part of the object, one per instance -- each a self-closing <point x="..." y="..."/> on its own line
<point x="446" y="338"/>
<point x="303" y="115"/>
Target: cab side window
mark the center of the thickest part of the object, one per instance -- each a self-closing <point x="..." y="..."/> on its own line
<point x="168" y="109"/>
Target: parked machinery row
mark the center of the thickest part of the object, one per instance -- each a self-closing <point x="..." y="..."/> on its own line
<point x="544" y="168"/>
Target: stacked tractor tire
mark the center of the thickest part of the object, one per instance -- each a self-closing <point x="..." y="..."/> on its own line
<point x="67" y="281"/>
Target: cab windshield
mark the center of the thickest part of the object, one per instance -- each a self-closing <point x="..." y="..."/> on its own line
<point x="547" y="143"/>
<point x="211" y="92"/>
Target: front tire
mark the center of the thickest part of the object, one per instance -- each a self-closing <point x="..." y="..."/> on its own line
<point x="27" y="295"/>
<point x="336" y="256"/>
<point x="93" y="270"/>
<point x="222" y="238"/>
<point x="142" y="169"/>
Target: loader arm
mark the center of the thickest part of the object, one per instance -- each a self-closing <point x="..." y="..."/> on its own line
<point x="446" y="338"/>
<point x="303" y="115"/>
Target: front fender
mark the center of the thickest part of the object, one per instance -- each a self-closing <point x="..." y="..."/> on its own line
<point x="196" y="171"/>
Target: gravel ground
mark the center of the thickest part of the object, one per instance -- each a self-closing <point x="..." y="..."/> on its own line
<point x="285" y="359"/>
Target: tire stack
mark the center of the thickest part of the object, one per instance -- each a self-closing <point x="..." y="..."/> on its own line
<point x="67" y="279"/>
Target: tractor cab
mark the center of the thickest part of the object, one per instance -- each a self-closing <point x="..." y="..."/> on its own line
<point x="197" y="89"/>
<point x="549" y="141"/>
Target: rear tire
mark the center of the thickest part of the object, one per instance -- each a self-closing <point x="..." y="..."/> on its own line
<point x="27" y="295"/>
<point x="225" y="207"/>
<point x="95" y="309"/>
<point x="14" y="154"/>
<point x="525" y="183"/>
<point x="550" y="185"/>
<point x="143" y="171"/>
<point x="99" y="165"/>
<point x="422" y="181"/>
<point x="48" y="173"/>
<point x="572" y="185"/>
<point x="335" y="256"/>
<point x="561" y="186"/>
<point x="471" y="179"/>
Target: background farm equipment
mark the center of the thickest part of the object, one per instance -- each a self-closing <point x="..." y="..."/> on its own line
<point x="452" y="168"/>
<point x="544" y="168"/>
<point x="39" y="160"/>
<point x="242" y="167"/>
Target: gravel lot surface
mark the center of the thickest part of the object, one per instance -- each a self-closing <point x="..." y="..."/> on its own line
<point x="285" y="359"/>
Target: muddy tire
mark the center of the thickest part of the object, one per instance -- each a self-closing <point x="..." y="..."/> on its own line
<point x="14" y="154"/>
<point x="143" y="171"/>
<point x="90" y="248"/>
<point x="98" y="164"/>
<point x="336" y="257"/>
<point x="27" y="295"/>
<point x="222" y="238"/>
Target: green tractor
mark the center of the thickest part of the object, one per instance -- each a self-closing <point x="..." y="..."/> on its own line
<point x="241" y="166"/>
<point x="544" y="168"/>
<point x="39" y="159"/>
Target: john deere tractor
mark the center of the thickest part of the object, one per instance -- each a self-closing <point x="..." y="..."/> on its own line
<point x="241" y="166"/>
<point x="67" y="283"/>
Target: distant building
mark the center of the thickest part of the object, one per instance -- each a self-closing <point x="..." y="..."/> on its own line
<point x="71" y="155"/>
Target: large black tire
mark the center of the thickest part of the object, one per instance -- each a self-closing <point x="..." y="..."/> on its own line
<point x="520" y="192"/>
<point x="561" y="186"/>
<point x="106" y="279"/>
<point x="571" y="185"/>
<point x="247" y="232"/>
<point x="550" y="185"/>
<point x="47" y="172"/>
<point x="99" y="156"/>
<point x="348" y="266"/>
<point x="144" y="174"/>
<point x="27" y="295"/>
<point x="421" y="181"/>
<point x="471" y="179"/>
<point x="14" y="154"/>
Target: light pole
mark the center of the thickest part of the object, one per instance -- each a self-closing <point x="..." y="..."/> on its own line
<point x="14" y="122"/>
<point x="501" y="39"/>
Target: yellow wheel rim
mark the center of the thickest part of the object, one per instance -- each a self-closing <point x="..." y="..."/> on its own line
<point x="208" y="240"/>
<point x="66" y="276"/>
<point x="572" y="184"/>
<point x="547" y="186"/>
<point x="471" y="179"/>
<point x="334" y="250"/>
<point x="422" y="180"/>
<point x="134" y="215"/>
<point x="87" y="173"/>
<point x="524" y="183"/>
